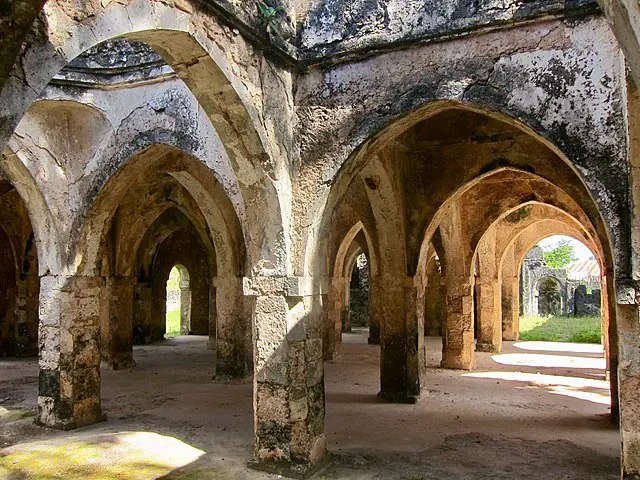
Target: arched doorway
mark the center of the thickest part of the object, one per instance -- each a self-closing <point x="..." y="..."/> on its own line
<point x="178" y="302"/>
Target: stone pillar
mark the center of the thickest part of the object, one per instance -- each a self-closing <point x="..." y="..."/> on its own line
<point x="69" y="343"/>
<point x="27" y="299"/>
<point x="375" y="299"/>
<point x="185" y="307"/>
<point x="288" y="315"/>
<point x="116" y="322"/>
<point x="488" y="293"/>
<point x="142" y="312"/>
<point x="457" y="333"/>
<point x="345" y="313"/>
<point x="233" y="330"/>
<point x="402" y="359"/>
<point x="510" y="309"/>
<point x="627" y="314"/>
<point x="488" y="296"/>
<point x="332" y="337"/>
<point x="213" y="316"/>
<point x="628" y="317"/>
<point x="416" y="353"/>
<point x="510" y="297"/>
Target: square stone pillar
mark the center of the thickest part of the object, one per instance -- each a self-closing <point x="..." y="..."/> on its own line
<point x="375" y="306"/>
<point x="142" y="312"/>
<point x="510" y="296"/>
<point x="332" y="337"/>
<point x="288" y="316"/>
<point x="69" y="344"/>
<point x="489" y="309"/>
<point x="628" y="319"/>
<point x="402" y="356"/>
<point x="233" y="330"/>
<point x="116" y="322"/>
<point x="457" y="339"/>
<point x="458" y="330"/>
<point x="510" y="309"/>
<point x="416" y="353"/>
<point x="488" y="295"/>
<point x="26" y="311"/>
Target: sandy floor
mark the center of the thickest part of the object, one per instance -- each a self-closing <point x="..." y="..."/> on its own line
<point x="537" y="411"/>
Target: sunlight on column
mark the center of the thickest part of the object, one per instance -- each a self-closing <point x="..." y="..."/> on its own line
<point x="121" y="455"/>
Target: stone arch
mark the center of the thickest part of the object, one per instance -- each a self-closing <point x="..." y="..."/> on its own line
<point x="338" y="296"/>
<point x="45" y="227"/>
<point x="344" y="173"/>
<point x="221" y="222"/>
<point x="183" y="42"/>
<point x="175" y="238"/>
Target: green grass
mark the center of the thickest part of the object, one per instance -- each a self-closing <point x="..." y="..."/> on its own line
<point x="561" y="329"/>
<point x="173" y="323"/>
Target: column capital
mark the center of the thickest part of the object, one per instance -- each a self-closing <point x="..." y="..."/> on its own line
<point x="627" y="291"/>
<point x="285" y="286"/>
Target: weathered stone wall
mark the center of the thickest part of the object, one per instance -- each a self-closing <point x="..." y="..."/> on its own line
<point x="351" y="28"/>
<point x="514" y="105"/>
<point x="364" y="97"/>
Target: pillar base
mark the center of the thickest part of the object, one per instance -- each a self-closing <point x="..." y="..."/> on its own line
<point x="287" y="469"/>
<point x="373" y="341"/>
<point x="458" y="363"/>
<point x="50" y="418"/>
<point x="121" y="363"/>
<point x="488" y="348"/>
<point x="401" y="397"/>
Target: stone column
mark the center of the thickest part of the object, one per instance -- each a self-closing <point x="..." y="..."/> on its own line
<point x="510" y="297"/>
<point x="345" y="313"/>
<point x="416" y="353"/>
<point x="69" y="343"/>
<point x="610" y="338"/>
<point x="213" y="316"/>
<point x="289" y="376"/>
<point x="488" y="296"/>
<point x="375" y="298"/>
<point x="332" y="337"/>
<point x="628" y="317"/>
<point x="457" y="333"/>
<point x="116" y="323"/>
<point x="627" y="314"/>
<point x="143" y="305"/>
<point x="233" y="330"/>
<point x="27" y="299"/>
<point x="489" y="292"/>
<point x="401" y="342"/>
<point x="185" y="307"/>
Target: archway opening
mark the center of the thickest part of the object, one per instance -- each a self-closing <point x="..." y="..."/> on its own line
<point x="561" y="297"/>
<point x="357" y="316"/>
<point x="178" y="316"/>
<point x="19" y="280"/>
<point x="443" y="201"/>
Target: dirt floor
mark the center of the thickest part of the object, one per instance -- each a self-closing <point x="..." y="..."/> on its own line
<point x="537" y="411"/>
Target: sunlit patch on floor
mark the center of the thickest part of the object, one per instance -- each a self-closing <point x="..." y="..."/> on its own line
<point x="542" y="360"/>
<point x="596" y="391"/>
<point x="122" y="456"/>
<point x="561" y="347"/>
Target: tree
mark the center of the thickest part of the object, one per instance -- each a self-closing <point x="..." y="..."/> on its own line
<point x="560" y="255"/>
